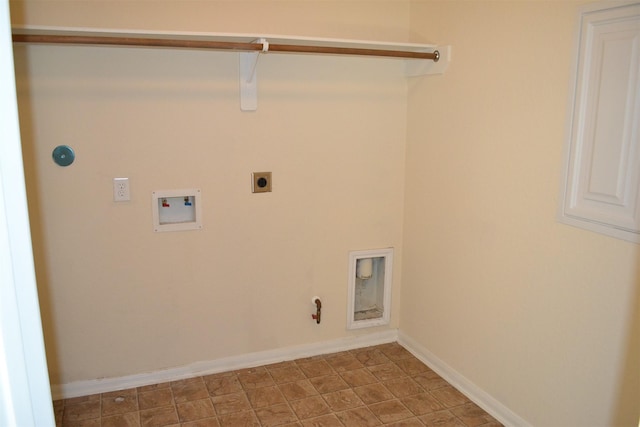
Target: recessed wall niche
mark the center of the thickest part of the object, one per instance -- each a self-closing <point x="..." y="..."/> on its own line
<point x="370" y="274"/>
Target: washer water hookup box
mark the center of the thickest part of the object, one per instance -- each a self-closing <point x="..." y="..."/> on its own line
<point x="176" y="210"/>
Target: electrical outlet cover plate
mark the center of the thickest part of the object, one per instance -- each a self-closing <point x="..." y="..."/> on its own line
<point x="121" y="191"/>
<point x="261" y="182"/>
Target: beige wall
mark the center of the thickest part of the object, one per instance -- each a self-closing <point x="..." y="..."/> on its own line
<point x="118" y="299"/>
<point x="540" y="315"/>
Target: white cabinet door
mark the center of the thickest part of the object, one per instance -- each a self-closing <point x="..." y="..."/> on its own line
<point x="602" y="181"/>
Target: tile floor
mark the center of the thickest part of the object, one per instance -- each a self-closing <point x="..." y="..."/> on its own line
<point x="372" y="386"/>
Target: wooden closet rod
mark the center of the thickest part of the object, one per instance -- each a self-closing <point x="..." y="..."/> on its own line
<point x="218" y="45"/>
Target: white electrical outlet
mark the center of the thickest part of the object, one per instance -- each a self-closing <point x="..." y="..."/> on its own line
<point x="121" y="190"/>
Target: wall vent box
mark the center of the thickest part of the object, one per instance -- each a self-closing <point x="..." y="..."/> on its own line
<point x="370" y="278"/>
<point x="176" y="210"/>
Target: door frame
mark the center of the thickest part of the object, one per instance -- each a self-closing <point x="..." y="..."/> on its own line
<point x="25" y="392"/>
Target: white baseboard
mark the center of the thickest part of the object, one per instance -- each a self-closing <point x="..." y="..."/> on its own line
<point x="104" y="385"/>
<point x="466" y="387"/>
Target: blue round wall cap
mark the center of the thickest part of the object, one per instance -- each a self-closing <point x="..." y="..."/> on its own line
<point x="63" y="155"/>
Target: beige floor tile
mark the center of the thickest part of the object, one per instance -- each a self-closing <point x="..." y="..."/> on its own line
<point x="403" y="387"/>
<point x="251" y="380"/>
<point x="317" y="368"/>
<point x="286" y="374"/>
<point x="441" y="419"/>
<point x="420" y="404"/>
<point x="159" y="417"/>
<point x="195" y="410"/>
<point x="411" y="366"/>
<point x="191" y="389"/>
<point x="58" y="412"/>
<point x="239" y="419"/>
<point x="409" y="422"/>
<point x="155" y="398"/>
<point x="218" y="385"/>
<point x="472" y="415"/>
<point x="265" y="396"/>
<point x="119" y="402"/>
<point x="345" y="362"/>
<point x="276" y="415"/>
<point x="329" y="420"/>
<point x="395" y="352"/>
<point x="342" y="400"/>
<point x="185" y="381"/>
<point x="298" y="390"/>
<point x="429" y="380"/>
<point x="119" y="393"/>
<point x="328" y="383"/>
<point x="390" y="411"/>
<point x="449" y="397"/>
<point x="361" y="417"/>
<point x="373" y="393"/>
<point x="93" y="422"/>
<point x="131" y="419"/>
<point x="82" y="411"/>
<point x="230" y="403"/>
<point x="310" y="407"/>
<point x="370" y="356"/>
<point x="205" y="422"/>
<point x="386" y="371"/>
<point x="358" y="377"/>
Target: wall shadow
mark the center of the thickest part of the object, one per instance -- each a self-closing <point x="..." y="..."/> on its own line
<point x="30" y="161"/>
<point x="627" y="410"/>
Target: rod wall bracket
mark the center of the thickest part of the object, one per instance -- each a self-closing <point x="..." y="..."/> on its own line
<point x="248" y="81"/>
<point x="249" y="78"/>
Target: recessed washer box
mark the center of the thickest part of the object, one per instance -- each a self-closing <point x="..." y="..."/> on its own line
<point x="176" y="210"/>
